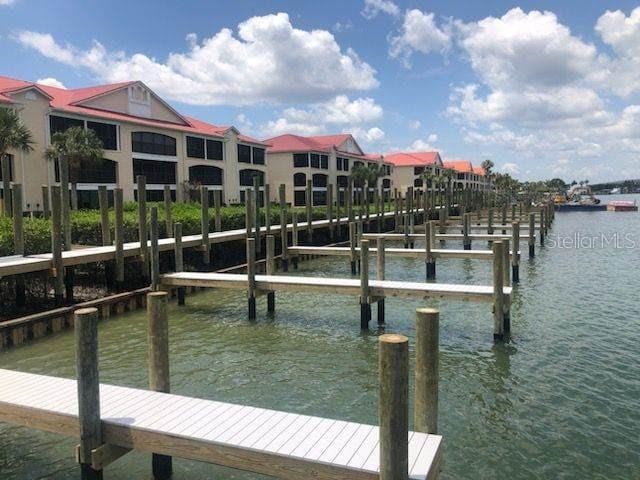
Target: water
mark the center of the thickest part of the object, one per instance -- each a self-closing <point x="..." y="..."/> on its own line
<point x="560" y="401"/>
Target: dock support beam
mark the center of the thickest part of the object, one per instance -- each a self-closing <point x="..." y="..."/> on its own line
<point x="18" y="240"/>
<point x="204" y="224"/>
<point x="515" y="256"/>
<point x="365" y="304"/>
<point x="352" y="247"/>
<point x="86" y="339"/>
<point x="283" y="227"/>
<point x="251" y="277"/>
<point x="294" y="238"/>
<point x="159" y="377"/>
<point x="56" y="243"/>
<point x="466" y="227"/>
<point x="142" y="224"/>
<point x="498" y="290"/>
<point x="425" y="417"/>
<point x="119" y="236"/>
<point x="271" y="270"/>
<point x="179" y="262"/>
<point x="394" y="406"/>
<point x="155" y="252"/>
<point x="532" y="230"/>
<point x="380" y="272"/>
<point x="430" y="261"/>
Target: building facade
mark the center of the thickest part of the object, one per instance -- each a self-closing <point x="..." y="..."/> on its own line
<point x="141" y="135"/>
<point x="466" y="176"/>
<point x="409" y="168"/>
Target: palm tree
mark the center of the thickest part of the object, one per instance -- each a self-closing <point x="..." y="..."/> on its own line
<point x="447" y="179"/>
<point x="13" y="135"/>
<point x="78" y="146"/>
<point x="359" y="175"/>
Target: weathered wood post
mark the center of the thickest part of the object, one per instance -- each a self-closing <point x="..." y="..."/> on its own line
<point x="217" y="200"/>
<point x="425" y="410"/>
<point x="429" y="259"/>
<point x="168" y="214"/>
<point x="504" y="217"/>
<point x="338" y="212"/>
<point x="119" y="235"/>
<point x="267" y="208"/>
<point x="56" y="243"/>
<point x="143" y="234"/>
<point x="294" y="238"/>
<point x="442" y="217"/>
<point x="513" y="212"/>
<point x="466" y="227"/>
<point x="251" y="277"/>
<point x="46" y="210"/>
<point x="506" y="271"/>
<point x="69" y="273"/>
<point x="284" y="262"/>
<point x="103" y="201"/>
<point x="18" y="240"/>
<point x="490" y="221"/>
<point x="532" y="233"/>
<point x="330" y="211"/>
<point x="74" y="196"/>
<point x="155" y="252"/>
<point x="352" y="247"/>
<point x="365" y="304"/>
<point x="158" y="360"/>
<point x="204" y="224"/>
<point x="515" y="256"/>
<point x="249" y="206"/>
<point x="394" y="406"/>
<point x="396" y="213"/>
<point x="86" y="340"/>
<point x="350" y="200"/>
<point x="256" y="212"/>
<point x="506" y="308"/>
<point x="179" y="259"/>
<point x="498" y="290"/>
<point x="271" y="270"/>
<point x="308" y="204"/>
<point x="541" y="229"/>
<point x="380" y="272"/>
<point x="7" y="208"/>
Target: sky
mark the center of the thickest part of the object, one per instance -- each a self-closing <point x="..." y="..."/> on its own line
<point x="542" y="88"/>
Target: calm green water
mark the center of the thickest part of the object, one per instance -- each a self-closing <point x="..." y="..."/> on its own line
<point x="562" y="400"/>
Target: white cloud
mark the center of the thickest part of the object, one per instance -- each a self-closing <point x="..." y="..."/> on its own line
<point x="281" y="126"/>
<point x="510" y="168"/>
<point x="420" y="33"/>
<point x="268" y="61"/>
<point x="6" y="2"/>
<point x="432" y="138"/>
<point x="373" y="7"/>
<point x="415" y="124"/>
<point x="52" y="82"/>
<point x="368" y="137"/>
<point x="342" y="26"/>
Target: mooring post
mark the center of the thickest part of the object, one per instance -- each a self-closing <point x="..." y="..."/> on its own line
<point x="352" y="246"/>
<point x="46" y="211"/>
<point x="498" y="290"/>
<point x="442" y="217"/>
<point x="429" y="260"/>
<point x="204" y="224"/>
<point x="248" y="212"/>
<point x="143" y="234"/>
<point x="179" y="259"/>
<point x="256" y="212"/>
<point x="56" y="243"/>
<point x="466" y="227"/>
<point x="18" y="240"/>
<point x="380" y="272"/>
<point x="267" y="208"/>
<point x="119" y="235"/>
<point x="365" y="304"/>
<point x="103" y="201"/>
<point x="396" y="218"/>
<point x="158" y="355"/>
<point x="338" y="233"/>
<point x="330" y="211"/>
<point x="168" y="214"/>
<point x="271" y="270"/>
<point x="506" y="307"/>
<point x="7" y="208"/>
<point x="86" y="340"/>
<point x="294" y="238"/>
<point x="308" y="204"/>
<point x="504" y="217"/>
<point x="532" y="232"/>
<point x="394" y="406"/>
<point x="506" y="271"/>
<point x="350" y="200"/>
<point x="513" y="212"/>
<point x="515" y="256"/>
<point x="217" y="201"/>
<point x="490" y="221"/>
<point x="251" y="277"/>
<point x="541" y="229"/>
<point x="155" y="253"/>
<point x="284" y="262"/>
<point x="74" y="196"/>
<point x="425" y="410"/>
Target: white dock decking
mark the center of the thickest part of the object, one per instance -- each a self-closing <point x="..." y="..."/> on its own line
<point x="333" y="286"/>
<point x="395" y="252"/>
<point x="285" y="445"/>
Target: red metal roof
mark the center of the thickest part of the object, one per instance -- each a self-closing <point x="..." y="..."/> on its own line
<point x="412" y="159"/>
<point x="320" y="143"/>
<point x="479" y="171"/>
<point x="68" y="100"/>
<point x="462" y="166"/>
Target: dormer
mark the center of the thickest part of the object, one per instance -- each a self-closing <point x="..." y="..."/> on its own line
<point x="139" y="100"/>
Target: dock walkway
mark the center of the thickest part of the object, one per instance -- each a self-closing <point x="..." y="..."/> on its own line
<point x="281" y="444"/>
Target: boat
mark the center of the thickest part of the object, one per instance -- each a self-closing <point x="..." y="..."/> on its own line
<point x="580" y="198"/>
<point x="622" y="206"/>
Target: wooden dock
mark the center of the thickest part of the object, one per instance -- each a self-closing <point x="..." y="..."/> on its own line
<point x="396" y="252"/>
<point x="270" y="442"/>
<point x="439" y="236"/>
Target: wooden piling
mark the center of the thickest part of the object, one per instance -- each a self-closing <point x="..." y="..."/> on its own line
<point x="103" y="200"/>
<point x="541" y="229"/>
<point x="490" y="221"/>
<point x="532" y="232"/>
<point x="330" y="211"/>
<point x="365" y="304"/>
<point x="56" y="243"/>
<point x="178" y="256"/>
<point x="217" y="200"/>
<point x="18" y="240"/>
<point x="506" y="271"/>
<point x="394" y="406"/>
<point x="352" y="246"/>
<point x="119" y="235"/>
<point x="158" y="361"/>
<point x="294" y="237"/>
<point x="46" y="210"/>
<point x="425" y="410"/>
<point x="267" y="208"/>
<point x="86" y="340"/>
<point x="498" y="290"/>
<point x="271" y="270"/>
<point x="63" y="165"/>
<point x="204" y="224"/>
<point x="515" y="257"/>
<point x="284" y="262"/>
<point x="466" y="226"/>
<point x="7" y="208"/>
<point x="74" y="196"/>
<point x="168" y="215"/>
<point x="143" y="235"/>
<point x="430" y="261"/>
<point x="380" y="273"/>
<point x="256" y="213"/>
<point x="504" y="216"/>
<point x="251" y="277"/>
<point x="308" y="205"/>
<point x="155" y="252"/>
<point x="249" y="206"/>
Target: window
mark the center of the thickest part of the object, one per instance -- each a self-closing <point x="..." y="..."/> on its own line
<point x="417" y="182"/>
<point x="315" y="160"/>
<point x="299" y="180"/>
<point x="386" y="183"/>
<point x="258" y="156"/>
<point x="246" y="177"/>
<point x="356" y="163"/>
<point x="195" y="147"/>
<point x="244" y="153"/>
<point x="8" y="158"/>
<point x="157" y="172"/>
<point x="387" y="170"/>
<point x="205" y="175"/>
<point x="107" y="133"/>
<point x="339" y="163"/>
<point x="214" y="150"/>
<point x="418" y="170"/>
<point x="461" y="176"/>
<point x="320" y="197"/>
<point x="320" y="180"/>
<point x="345" y="164"/>
<point x="324" y="162"/>
<point x="299" y="197"/>
<point x="102" y="171"/>
<point x="153" y="143"/>
<point x="60" y="124"/>
<point x="343" y="181"/>
<point x="300" y="160"/>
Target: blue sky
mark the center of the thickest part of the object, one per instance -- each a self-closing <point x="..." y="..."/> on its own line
<point x="542" y="88"/>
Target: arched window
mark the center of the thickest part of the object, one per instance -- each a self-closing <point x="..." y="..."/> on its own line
<point x="246" y="177"/>
<point x="153" y="143"/>
<point x="206" y="175"/>
<point x="101" y="171"/>
<point x="320" y="180"/>
<point x="299" y="180"/>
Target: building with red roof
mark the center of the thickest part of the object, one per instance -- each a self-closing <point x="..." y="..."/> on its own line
<point x="295" y="160"/>
<point x="141" y="135"/>
<point x="468" y="176"/>
<point x="409" y="167"/>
